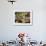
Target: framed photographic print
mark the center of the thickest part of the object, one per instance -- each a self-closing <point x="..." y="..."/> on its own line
<point x="23" y="17"/>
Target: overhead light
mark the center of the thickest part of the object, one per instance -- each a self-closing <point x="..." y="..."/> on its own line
<point x="12" y="1"/>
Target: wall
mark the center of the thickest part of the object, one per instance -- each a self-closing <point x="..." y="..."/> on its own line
<point x="9" y="31"/>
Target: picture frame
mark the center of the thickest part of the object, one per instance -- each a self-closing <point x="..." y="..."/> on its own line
<point x="23" y="17"/>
